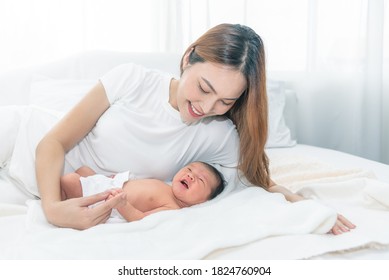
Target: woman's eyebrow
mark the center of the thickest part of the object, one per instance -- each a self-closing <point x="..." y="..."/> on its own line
<point x="209" y="84"/>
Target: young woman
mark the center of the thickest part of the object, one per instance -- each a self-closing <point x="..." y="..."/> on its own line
<point x="216" y="112"/>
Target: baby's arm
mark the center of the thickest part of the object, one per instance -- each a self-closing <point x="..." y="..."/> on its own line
<point x="129" y="212"/>
<point x="341" y="225"/>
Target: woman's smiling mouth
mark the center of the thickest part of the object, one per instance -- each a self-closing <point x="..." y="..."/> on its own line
<point x="193" y="111"/>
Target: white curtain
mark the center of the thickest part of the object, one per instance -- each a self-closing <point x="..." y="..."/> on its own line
<point x="333" y="53"/>
<point x="35" y="31"/>
<point x="344" y="82"/>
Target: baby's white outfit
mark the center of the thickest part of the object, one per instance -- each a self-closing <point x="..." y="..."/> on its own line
<point x="99" y="183"/>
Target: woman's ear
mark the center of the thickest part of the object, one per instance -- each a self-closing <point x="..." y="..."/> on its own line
<point x="185" y="61"/>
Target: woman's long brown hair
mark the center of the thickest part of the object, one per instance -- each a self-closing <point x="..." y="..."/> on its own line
<point x="239" y="47"/>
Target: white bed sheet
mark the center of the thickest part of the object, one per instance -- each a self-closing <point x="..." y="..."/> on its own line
<point x="337" y="159"/>
<point x="13" y="213"/>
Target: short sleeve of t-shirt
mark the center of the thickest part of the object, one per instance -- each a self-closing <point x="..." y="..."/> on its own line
<point x="123" y="80"/>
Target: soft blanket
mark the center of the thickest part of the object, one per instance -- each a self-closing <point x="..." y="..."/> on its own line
<point x="189" y="233"/>
<point x="355" y="193"/>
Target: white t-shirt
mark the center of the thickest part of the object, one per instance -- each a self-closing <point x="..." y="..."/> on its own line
<point x="143" y="133"/>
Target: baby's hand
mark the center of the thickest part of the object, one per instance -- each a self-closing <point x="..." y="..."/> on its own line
<point x="113" y="193"/>
<point x="342" y="225"/>
<point x="116" y="192"/>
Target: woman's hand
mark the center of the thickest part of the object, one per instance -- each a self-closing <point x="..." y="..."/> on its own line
<point x="342" y="225"/>
<point x="75" y="213"/>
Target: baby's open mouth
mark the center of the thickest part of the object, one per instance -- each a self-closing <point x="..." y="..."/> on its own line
<point x="185" y="184"/>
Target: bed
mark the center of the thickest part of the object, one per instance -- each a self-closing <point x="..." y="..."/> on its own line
<point x="246" y="223"/>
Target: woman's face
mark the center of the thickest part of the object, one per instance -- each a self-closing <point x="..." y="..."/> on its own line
<point x="206" y="89"/>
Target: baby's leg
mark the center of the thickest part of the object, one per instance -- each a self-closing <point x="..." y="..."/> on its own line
<point x="85" y="171"/>
<point x="70" y="186"/>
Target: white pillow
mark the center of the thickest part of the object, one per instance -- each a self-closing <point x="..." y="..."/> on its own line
<point x="279" y="132"/>
<point x="60" y="95"/>
<point x="49" y="100"/>
<point x="34" y="124"/>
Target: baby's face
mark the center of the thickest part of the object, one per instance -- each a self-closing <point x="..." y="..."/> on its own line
<point x="194" y="183"/>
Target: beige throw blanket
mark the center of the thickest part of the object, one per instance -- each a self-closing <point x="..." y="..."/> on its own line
<point x="355" y="193"/>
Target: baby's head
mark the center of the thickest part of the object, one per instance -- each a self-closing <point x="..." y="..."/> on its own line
<point x="218" y="187"/>
<point x="197" y="182"/>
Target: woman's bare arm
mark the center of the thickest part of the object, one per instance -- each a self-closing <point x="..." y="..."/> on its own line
<point x="50" y="154"/>
<point x="290" y="196"/>
<point x="341" y="225"/>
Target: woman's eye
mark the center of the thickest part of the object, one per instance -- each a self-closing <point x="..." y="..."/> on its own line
<point x="226" y="103"/>
<point x="202" y="90"/>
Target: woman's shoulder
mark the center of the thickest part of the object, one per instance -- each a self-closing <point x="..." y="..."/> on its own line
<point x="220" y="141"/>
<point x="131" y="80"/>
<point x="123" y="75"/>
<point x="219" y="123"/>
<point x="219" y="129"/>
